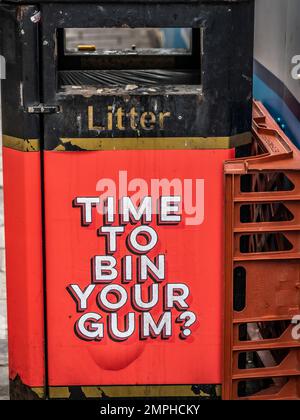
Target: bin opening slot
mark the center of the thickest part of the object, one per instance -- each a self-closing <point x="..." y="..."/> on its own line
<point x="121" y="56"/>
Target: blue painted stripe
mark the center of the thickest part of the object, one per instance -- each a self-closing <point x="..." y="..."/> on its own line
<point x="278" y="108"/>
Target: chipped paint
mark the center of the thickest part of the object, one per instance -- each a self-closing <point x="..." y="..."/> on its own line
<point x="22" y="145"/>
<point x="36" y="17"/>
<point x="21" y="95"/>
<point x="2" y="68"/>
<point x="21" y="391"/>
<point x="152" y="143"/>
<point x="140" y="391"/>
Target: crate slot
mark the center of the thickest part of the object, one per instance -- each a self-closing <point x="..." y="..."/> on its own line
<point x="266" y="182"/>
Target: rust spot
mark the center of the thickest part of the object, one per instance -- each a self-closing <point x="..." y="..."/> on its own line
<point x="21" y="12"/>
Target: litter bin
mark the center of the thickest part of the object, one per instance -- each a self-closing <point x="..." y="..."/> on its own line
<point x="113" y="162"/>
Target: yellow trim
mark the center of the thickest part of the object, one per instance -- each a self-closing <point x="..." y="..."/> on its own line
<point x="152" y="391"/>
<point x="39" y="391"/>
<point x="133" y="143"/>
<point x="59" y="392"/>
<point x="23" y="145"/>
<point x="155" y="143"/>
<point x="138" y="391"/>
<point x="219" y="391"/>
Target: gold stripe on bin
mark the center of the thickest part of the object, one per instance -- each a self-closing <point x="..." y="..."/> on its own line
<point x="39" y="391"/>
<point x="153" y="143"/>
<point x="22" y="145"/>
<point x="123" y="391"/>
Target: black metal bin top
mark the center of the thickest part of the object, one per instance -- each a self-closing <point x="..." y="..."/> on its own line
<point x="205" y="92"/>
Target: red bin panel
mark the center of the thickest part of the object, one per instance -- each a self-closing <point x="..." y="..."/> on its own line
<point x="24" y="272"/>
<point x="192" y="250"/>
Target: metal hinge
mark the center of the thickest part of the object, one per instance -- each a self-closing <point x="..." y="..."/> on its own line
<point x="43" y="109"/>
